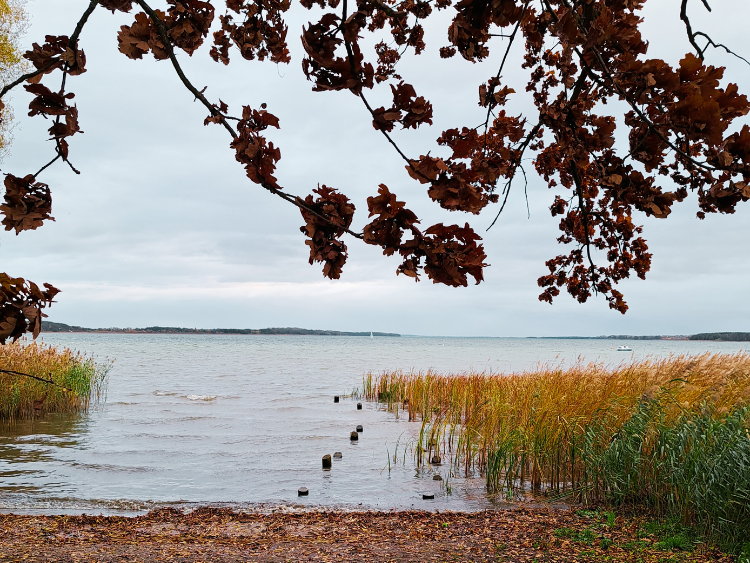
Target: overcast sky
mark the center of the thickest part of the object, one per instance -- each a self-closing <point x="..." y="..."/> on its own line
<point x="163" y="228"/>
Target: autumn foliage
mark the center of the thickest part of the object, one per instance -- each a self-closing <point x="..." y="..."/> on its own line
<point x="581" y="58"/>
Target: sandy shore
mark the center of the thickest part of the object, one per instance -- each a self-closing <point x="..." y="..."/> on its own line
<point x="220" y="535"/>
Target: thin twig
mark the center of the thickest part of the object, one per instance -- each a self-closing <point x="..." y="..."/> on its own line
<point x="719" y="46"/>
<point x="50" y="163"/>
<point x="48" y="381"/>
<point x="513" y="169"/>
<point x="25" y="77"/>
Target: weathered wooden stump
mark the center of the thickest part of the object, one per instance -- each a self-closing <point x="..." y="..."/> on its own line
<point x="327" y="461"/>
<point x="435" y="460"/>
<point x="437" y="478"/>
<point x="337" y="455"/>
<point x="359" y="428"/>
<point x="428" y="496"/>
<point x="359" y="406"/>
<point x="335" y="398"/>
<point x="302" y="492"/>
<point x="354" y="436"/>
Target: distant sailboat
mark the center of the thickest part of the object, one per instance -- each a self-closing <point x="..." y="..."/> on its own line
<point x="371" y="336"/>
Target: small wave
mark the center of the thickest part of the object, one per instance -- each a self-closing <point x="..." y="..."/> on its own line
<point x="165" y="394"/>
<point x="201" y="397"/>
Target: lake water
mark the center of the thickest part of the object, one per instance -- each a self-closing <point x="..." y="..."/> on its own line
<point x="245" y="421"/>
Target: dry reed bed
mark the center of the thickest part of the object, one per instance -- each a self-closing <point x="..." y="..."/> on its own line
<point x="672" y="432"/>
<point x="77" y="380"/>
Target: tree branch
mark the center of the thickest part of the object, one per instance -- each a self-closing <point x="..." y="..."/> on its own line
<point x="511" y="37"/>
<point x="627" y="99"/>
<point x="515" y="166"/>
<point x="164" y="34"/>
<point x="689" y="28"/>
<point x="48" y="381"/>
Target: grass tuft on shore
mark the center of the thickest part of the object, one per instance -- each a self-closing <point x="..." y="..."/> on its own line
<point x="672" y="435"/>
<point x="78" y="380"/>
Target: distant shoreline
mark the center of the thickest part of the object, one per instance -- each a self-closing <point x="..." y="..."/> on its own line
<point x="50" y="327"/>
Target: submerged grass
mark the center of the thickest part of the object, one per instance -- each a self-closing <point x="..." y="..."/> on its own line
<point x="668" y="434"/>
<point x="77" y="380"/>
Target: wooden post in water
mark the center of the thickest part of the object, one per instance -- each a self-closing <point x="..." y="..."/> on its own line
<point x="327" y="461"/>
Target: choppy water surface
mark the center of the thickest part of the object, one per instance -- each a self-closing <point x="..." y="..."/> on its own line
<point x="246" y="419"/>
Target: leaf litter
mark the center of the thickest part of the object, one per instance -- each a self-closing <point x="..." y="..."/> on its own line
<point x="223" y="535"/>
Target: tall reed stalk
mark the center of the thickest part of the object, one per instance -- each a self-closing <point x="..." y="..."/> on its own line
<point x="672" y="433"/>
<point x="77" y="380"/>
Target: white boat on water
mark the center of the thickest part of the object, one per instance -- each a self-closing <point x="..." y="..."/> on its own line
<point x="624" y="348"/>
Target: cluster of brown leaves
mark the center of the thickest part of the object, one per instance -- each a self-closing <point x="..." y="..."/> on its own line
<point x="408" y="109"/>
<point x="251" y="148"/>
<point x="27" y="203"/>
<point x="21" y="304"/>
<point x="466" y="181"/>
<point x="448" y="254"/>
<point x="221" y="535"/>
<point x="57" y="53"/>
<point x="186" y="25"/>
<point x="261" y="32"/>
<point x="327" y="217"/>
<point x="323" y="45"/>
